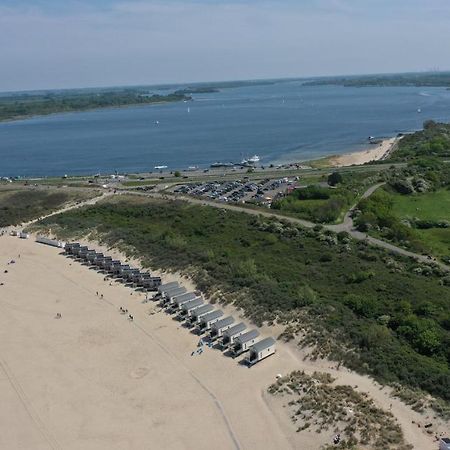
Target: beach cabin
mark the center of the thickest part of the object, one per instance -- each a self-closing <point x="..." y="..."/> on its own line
<point x="164" y="287"/>
<point x="111" y="265"/>
<point x="170" y="293"/>
<point x="84" y="251"/>
<point x="189" y="307"/>
<point x="150" y="283"/>
<point x="138" y="277"/>
<point x="198" y="313"/>
<point x="23" y="235"/>
<point x="99" y="260"/>
<point x="103" y="262"/>
<point x="92" y="257"/>
<point x="129" y="274"/>
<point x="220" y="326"/>
<point x="70" y="247"/>
<point x="48" y="241"/>
<point x="243" y="342"/>
<point x="120" y="270"/>
<point x="78" y="249"/>
<point x="261" y="350"/>
<point x="208" y="320"/>
<point x="228" y="336"/>
<point x="175" y="302"/>
<point x="444" y="443"/>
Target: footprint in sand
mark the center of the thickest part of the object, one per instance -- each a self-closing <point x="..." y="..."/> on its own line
<point x="140" y="372"/>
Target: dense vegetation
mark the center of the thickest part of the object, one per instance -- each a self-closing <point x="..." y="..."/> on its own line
<point x="431" y="142"/>
<point x="437" y="79"/>
<point x="326" y="202"/>
<point x="26" y="105"/>
<point x="18" y="206"/>
<point x="413" y="209"/>
<point x="387" y="319"/>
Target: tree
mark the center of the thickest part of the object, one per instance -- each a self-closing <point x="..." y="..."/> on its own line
<point x="334" y="178"/>
<point x="177" y="174"/>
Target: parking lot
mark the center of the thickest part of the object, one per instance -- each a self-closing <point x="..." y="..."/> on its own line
<point x="262" y="192"/>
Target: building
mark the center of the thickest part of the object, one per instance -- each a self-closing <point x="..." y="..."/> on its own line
<point x="76" y="250"/>
<point x="165" y="286"/>
<point x="92" y="257"/>
<point x="207" y="320"/>
<point x="70" y="247"/>
<point x="150" y="283"/>
<point x="444" y="443"/>
<point x="220" y="326"/>
<point x="176" y="301"/>
<point x="168" y="294"/>
<point x="261" y="350"/>
<point x="229" y="336"/>
<point x="243" y="342"/>
<point x="189" y="307"/>
<point x="102" y="263"/>
<point x="111" y="266"/>
<point x="198" y="313"/>
<point x="48" y="241"/>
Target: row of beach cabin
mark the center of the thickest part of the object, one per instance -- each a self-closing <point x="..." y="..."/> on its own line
<point x="212" y="323"/>
<point x="189" y="307"/>
<point x="113" y="267"/>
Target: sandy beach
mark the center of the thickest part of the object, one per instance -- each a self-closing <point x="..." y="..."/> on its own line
<point x="375" y="153"/>
<point x="94" y="380"/>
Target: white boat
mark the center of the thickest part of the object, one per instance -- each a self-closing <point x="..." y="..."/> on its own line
<point x="160" y="167"/>
<point x="156" y="122"/>
<point x="419" y="110"/>
<point x="189" y="110"/>
<point x="253" y="160"/>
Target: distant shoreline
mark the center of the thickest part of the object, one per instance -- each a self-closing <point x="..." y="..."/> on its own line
<point x="100" y="108"/>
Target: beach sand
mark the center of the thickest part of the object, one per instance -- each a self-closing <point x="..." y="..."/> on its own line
<point x="94" y="380"/>
<point x="375" y="153"/>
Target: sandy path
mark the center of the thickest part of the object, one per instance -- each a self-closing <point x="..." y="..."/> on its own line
<point x="94" y="380"/>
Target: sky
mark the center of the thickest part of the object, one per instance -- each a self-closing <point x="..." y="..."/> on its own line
<point x="50" y="44"/>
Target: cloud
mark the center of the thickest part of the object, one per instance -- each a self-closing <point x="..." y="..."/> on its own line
<point x="141" y="42"/>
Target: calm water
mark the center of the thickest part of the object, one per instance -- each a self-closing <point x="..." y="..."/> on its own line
<point x="284" y="122"/>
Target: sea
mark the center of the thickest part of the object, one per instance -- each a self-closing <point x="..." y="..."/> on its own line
<point x="281" y="122"/>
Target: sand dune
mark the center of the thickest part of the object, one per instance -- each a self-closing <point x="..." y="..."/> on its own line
<point x="94" y="380"/>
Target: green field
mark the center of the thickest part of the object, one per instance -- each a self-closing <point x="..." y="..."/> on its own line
<point x="357" y="296"/>
<point x="429" y="206"/>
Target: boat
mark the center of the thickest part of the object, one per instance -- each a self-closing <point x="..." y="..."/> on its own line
<point x="220" y="164"/>
<point x="193" y="168"/>
<point x="156" y="122"/>
<point x="189" y="110"/>
<point x="160" y="167"/>
<point x="253" y="160"/>
<point x="419" y="110"/>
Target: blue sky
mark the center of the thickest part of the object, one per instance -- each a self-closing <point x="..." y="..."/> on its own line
<point x="76" y="43"/>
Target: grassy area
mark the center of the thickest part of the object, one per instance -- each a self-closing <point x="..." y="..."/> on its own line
<point x="428" y="206"/>
<point x="326" y="203"/>
<point x="374" y="312"/>
<point x="18" y="205"/>
<point x="316" y="404"/>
